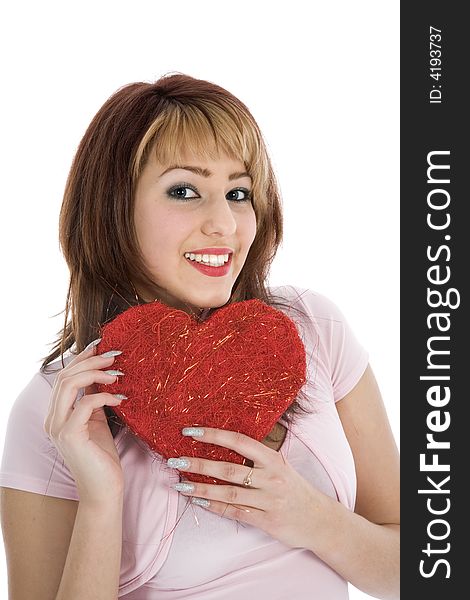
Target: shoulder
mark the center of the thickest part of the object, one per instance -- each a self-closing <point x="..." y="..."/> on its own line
<point x="312" y="299"/>
<point x="30" y="459"/>
<point x="327" y="335"/>
<point x="319" y="310"/>
<point x="32" y="403"/>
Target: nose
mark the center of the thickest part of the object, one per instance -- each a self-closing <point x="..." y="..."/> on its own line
<point x="219" y="218"/>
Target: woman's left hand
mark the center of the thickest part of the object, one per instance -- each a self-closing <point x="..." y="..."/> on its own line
<point x="279" y="501"/>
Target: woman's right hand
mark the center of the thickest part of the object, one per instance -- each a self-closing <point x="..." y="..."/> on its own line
<point x="81" y="432"/>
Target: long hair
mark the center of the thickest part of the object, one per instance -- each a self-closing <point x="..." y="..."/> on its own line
<point x="96" y="225"/>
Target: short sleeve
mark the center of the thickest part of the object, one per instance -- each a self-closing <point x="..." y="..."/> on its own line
<point x="30" y="460"/>
<point x="348" y="358"/>
<point x="344" y="357"/>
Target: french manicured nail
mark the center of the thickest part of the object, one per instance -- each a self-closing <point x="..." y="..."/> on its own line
<point x="93" y="343"/>
<point x="113" y="372"/>
<point x="111" y="353"/>
<point x="183" y="487"/>
<point x="120" y="396"/>
<point x="178" y="463"/>
<point x="200" y="501"/>
<point x="193" y="431"/>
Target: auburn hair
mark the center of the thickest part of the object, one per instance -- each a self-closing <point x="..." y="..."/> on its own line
<point x="96" y="223"/>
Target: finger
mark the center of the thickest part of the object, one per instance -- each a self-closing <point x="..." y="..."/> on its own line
<point x="81" y="414"/>
<point x="89" y="389"/>
<point x="92" y="362"/>
<point x="90" y="350"/>
<point x="260" y="454"/>
<point x="87" y="364"/>
<point x="227" y="494"/>
<point x="67" y="392"/>
<point x="226" y="471"/>
<point x="244" y="514"/>
<point x="82" y="361"/>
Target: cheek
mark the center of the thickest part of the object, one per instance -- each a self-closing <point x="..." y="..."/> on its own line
<point x="159" y="232"/>
<point x="248" y="228"/>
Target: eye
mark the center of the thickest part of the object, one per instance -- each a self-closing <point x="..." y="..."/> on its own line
<point x="235" y="195"/>
<point x="181" y="192"/>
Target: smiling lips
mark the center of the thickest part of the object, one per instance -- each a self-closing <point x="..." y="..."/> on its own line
<point x="214" y="265"/>
<point x="214" y="260"/>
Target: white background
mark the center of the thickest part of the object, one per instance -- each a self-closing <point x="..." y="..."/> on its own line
<point x="322" y="80"/>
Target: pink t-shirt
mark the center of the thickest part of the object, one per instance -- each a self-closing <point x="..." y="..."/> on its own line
<point x="174" y="550"/>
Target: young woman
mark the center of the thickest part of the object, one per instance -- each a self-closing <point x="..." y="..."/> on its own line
<point x="169" y="176"/>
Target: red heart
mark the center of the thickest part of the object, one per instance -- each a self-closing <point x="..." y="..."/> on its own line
<point x="239" y="370"/>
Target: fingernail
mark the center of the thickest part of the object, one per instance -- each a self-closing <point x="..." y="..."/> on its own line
<point x="178" y="463"/>
<point x="200" y="501"/>
<point x="193" y="431"/>
<point x="183" y="487"/>
<point x="111" y="353"/>
<point x="93" y="343"/>
<point x="120" y="396"/>
<point x="113" y="372"/>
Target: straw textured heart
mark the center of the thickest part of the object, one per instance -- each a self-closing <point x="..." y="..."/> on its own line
<point x="238" y="370"/>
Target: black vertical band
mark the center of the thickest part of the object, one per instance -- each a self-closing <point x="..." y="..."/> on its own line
<point x="435" y="254"/>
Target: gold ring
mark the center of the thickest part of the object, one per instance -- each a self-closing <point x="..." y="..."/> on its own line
<point x="247" y="480"/>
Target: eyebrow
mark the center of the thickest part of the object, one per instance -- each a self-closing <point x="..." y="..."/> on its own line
<point x="205" y="172"/>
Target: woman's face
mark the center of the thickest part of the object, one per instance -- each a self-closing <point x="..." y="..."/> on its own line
<point x="199" y="207"/>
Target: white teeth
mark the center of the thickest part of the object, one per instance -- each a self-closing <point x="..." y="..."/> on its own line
<point x="215" y="260"/>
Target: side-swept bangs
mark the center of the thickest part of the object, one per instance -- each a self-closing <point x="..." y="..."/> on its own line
<point x="206" y="129"/>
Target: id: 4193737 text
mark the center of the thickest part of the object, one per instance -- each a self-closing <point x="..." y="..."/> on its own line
<point x="435" y="64"/>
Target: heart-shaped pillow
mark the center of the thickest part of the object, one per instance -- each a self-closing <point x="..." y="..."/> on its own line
<point x="239" y="370"/>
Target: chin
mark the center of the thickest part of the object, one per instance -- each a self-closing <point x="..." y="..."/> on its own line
<point x="214" y="300"/>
